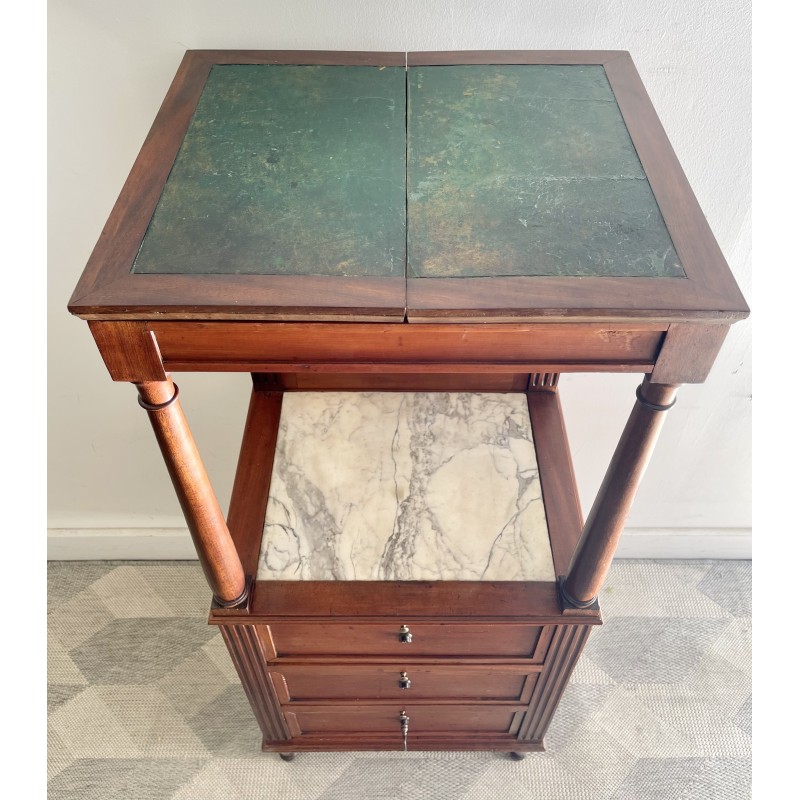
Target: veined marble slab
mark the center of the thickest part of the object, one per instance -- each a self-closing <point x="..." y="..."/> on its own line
<point x="405" y="486"/>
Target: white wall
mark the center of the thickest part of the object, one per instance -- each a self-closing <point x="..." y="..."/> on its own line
<point x="110" y="64"/>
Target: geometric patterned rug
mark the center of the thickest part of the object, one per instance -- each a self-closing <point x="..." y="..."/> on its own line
<point x="144" y="703"/>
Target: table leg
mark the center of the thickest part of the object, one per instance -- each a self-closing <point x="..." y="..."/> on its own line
<point x="212" y="540"/>
<point x="595" y="551"/>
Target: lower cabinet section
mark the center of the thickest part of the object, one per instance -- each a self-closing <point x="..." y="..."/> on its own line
<point x="428" y="662"/>
<point x="379" y="701"/>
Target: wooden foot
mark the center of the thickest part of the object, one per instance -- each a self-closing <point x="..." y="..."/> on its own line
<point x="517" y="756"/>
<point x="287" y="756"/>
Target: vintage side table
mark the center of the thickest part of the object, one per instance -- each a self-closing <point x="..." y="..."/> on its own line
<point x="406" y="250"/>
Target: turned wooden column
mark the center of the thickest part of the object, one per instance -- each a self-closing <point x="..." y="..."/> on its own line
<point x="210" y="534"/>
<point x="595" y="551"/>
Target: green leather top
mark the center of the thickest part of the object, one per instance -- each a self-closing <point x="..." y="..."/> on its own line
<point x="512" y="170"/>
<point x="526" y="170"/>
<point x="296" y="170"/>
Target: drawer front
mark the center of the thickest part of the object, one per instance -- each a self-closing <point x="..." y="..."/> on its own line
<point x="404" y="682"/>
<point x="384" y="639"/>
<point x="385" y="719"/>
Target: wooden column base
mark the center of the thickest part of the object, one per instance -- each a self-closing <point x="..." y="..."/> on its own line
<point x="570" y="605"/>
<point x="239" y="603"/>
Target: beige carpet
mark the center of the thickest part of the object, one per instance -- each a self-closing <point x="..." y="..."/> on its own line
<point x="144" y="703"/>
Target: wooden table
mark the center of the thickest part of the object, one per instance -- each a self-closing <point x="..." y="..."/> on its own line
<point x="468" y="222"/>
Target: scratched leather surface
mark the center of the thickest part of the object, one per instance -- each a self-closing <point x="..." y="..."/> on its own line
<point x="527" y="170"/>
<point x="286" y="169"/>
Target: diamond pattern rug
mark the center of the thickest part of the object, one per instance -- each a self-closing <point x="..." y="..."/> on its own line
<point x="144" y="703"/>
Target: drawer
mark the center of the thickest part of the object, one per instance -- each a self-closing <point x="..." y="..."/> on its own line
<point x="443" y="639"/>
<point x="302" y="682"/>
<point x="385" y="719"/>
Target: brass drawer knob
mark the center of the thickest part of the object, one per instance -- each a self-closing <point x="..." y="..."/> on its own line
<point x="405" y="634"/>
<point x="404" y="720"/>
<point x="405" y="681"/>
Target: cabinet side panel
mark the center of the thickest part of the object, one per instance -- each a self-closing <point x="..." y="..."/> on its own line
<point x="568" y="642"/>
<point x="250" y="662"/>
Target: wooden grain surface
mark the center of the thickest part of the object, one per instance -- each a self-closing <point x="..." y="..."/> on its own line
<point x="129" y="350"/>
<point x="556" y="299"/>
<point x="533" y="602"/>
<point x="424" y="718"/>
<point x="567" y="645"/>
<point x="248" y="659"/>
<point x="443" y="639"/>
<point x="606" y="520"/>
<point x="559" y="490"/>
<point x="688" y="353"/>
<point x="345" y="347"/>
<point x="303" y="683"/>
<point x="401" y="382"/>
<point x="212" y="540"/>
<point x="451" y="741"/>
<point x="245" y="297"/>
<point x="251" y="483"/>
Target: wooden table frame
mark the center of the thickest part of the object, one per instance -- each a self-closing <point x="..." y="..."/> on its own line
<point x="318" y="334"/>
<point x="364" y="356"/>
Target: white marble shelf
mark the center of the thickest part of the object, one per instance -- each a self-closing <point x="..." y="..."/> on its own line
<point x="405" y="486"/>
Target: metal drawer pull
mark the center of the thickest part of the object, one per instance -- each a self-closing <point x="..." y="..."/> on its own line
<point x="404" y="720"/>
<point x="405" y="681"/>
<point x="405" y="634"/>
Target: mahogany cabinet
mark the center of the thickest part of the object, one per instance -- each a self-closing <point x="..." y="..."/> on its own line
<point x="405" y="250"/>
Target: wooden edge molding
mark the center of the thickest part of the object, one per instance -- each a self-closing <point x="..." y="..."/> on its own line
<point x="313" y="743"/>
<point x="537" y="299"/>
<point x="456" y="57"/>
<point x="695" y="244"/>
<point x="333" y="58"/>
<point x="369" y="348"/>
<point x="297" y="298"/>
<point x="122" y="234"/>
<point x="514" y="602"/>
<point x="390" y="382"/>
